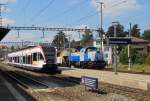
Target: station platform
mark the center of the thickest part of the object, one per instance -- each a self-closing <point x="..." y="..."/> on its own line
<point x="137" y="81"/>
<point x="8" y="92"/>
<point x="5" y="94"/>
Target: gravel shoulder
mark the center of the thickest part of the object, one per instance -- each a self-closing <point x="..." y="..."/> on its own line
<point x="77" y="93"/>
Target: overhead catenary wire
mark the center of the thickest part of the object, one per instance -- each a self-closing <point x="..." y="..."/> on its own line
<point x="33" y="18"/>
<point x="68" y="10"/>
<point x="24" y="7"/>
<point x="91" y="14"/>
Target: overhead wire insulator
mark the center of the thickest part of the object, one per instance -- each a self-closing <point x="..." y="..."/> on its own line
<point x="43" y="34"/>
<point x="18" y="34"/>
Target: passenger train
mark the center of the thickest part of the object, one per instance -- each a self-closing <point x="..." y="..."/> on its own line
<point x="40" y="57"/>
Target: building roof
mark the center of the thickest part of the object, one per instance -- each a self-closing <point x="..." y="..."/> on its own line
<point x="3" y="46"/>
<point x="138" y="40"/>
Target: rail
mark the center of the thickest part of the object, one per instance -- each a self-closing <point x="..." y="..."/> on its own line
<point x="25" y="81"/>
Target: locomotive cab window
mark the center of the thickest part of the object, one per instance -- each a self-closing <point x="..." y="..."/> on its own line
<point x="91" y="49"/>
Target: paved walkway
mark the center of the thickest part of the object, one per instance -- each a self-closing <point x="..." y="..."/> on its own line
<point x="131" y="80"/>
<point x="5" y="94"/>
<point x="8" y="92"/>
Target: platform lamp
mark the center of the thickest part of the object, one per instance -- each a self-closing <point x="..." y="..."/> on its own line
<point x="115" y="51"/>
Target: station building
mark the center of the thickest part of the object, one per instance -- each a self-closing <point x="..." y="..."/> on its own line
<point x="3" y="52"/>
<point x="141" y="45"/>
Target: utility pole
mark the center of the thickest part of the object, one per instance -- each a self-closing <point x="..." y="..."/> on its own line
<point x="69" y="36"/>
<point x="18" y="34"/>
<point x="1" y="19"/>
<point x="129" y="57"/>
<point x="101" y="24"/>
<point x="43" y="34"/>
<point x="115" y="50"/>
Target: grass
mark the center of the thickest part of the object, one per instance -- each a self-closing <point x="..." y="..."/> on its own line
<point x="134" y="67"/>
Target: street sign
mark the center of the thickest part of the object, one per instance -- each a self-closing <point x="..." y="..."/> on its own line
<point x="119" y="40"/>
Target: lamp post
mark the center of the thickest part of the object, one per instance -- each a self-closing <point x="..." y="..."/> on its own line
<point x="129" y="55"/>
<point x="101" y="24"/>
<point x="115" y="51"/>
<point x="69" y="37"/>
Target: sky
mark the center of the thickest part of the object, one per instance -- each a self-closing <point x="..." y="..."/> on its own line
<point x="71" y="13"/>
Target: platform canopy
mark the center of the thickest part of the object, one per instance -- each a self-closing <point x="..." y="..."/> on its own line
<point x="3" y="32"/>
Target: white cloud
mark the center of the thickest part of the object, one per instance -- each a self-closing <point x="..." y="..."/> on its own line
<point x="7" y="21"/>
<point x="116" y="7"/>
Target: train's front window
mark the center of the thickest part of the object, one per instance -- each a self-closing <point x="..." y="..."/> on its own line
<point x="40" y="56"/>
<point x="50" y="53"/>
<point x="91" y="49"/>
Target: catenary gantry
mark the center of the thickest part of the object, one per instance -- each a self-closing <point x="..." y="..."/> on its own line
<point x="50" y="29"/>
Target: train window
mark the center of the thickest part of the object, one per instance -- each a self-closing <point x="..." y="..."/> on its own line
<point x="29" y="59"/>
<point x="14" y="59"/>
<point x="17" y="58"/>
<point x="23" y="59"/>
<point x="20" y="59"/>
<point x="34" y="56"/>
<point x="91" y="49"/>
<point x="26" y="59"/>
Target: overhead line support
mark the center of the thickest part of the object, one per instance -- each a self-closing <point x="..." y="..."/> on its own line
<point x="50" y="29"/>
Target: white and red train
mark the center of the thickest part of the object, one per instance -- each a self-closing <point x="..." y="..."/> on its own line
<point x="40" y="57"/>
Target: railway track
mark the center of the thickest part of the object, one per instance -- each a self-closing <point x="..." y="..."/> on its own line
<point x="110" y="88"/>
<point x="24" y="80"/>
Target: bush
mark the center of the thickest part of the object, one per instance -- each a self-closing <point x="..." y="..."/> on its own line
<point x="140" y="58"/>
<point x="147" y="60"/>
<point x="123" y="56"/>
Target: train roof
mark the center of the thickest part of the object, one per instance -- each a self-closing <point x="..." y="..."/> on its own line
<point x="29" y="47"/>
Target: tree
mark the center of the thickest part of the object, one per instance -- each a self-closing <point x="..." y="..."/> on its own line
<point x="135" y="31"/>
<point x="60" y="40"/>
<point x="12" y="48"/>
<point x="119" y="29"/>
<point x="87" y="36"/>
<point x="146" y="34"/>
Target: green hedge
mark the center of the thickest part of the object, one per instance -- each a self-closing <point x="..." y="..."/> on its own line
<point x="136" y="58"/>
